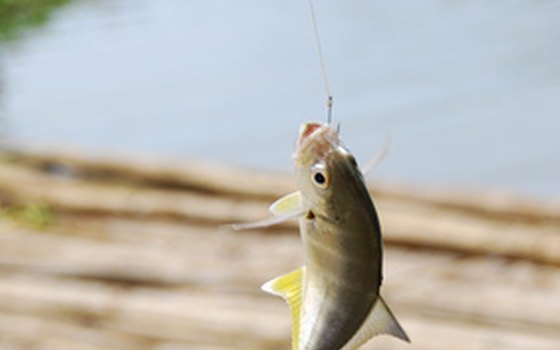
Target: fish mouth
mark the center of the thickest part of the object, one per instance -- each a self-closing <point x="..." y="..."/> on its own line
<point x="306" y="130"/>
<point x="315" y="140"/>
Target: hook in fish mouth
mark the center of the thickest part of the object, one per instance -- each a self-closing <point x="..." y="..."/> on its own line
<point x="306" y="130"/>
<point x="316" y="138"/>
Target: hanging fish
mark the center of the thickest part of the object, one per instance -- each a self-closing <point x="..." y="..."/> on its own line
<point x="334" y="298"/>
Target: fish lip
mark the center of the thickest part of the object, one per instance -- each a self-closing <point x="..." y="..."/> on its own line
<point x="306" y="131"/>
<point x="320" y="136"/>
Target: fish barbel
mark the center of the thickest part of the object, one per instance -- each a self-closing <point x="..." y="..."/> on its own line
<point x="334" y="298"/>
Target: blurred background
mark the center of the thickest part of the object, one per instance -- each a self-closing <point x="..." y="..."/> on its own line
<point x="469" y="91"/>
<point x="132" y="132"/>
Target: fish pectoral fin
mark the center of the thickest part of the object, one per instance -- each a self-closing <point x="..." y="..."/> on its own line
<point x="275" y="220"/>
<point x="286" y="208"/>
<point x="289" y="287"/>
<point x="379" y="321"/>
<point x="288" y="204"/>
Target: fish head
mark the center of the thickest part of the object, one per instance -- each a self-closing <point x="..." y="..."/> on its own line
<point x="326" y="171"/>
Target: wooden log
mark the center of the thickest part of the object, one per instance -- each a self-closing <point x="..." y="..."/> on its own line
<point x="213" y="178"/>
<point x="194" y="175"/>
<point x="434" y="228"/>
<point x="198" y="316"/>
<point x="18" y="331"/>
<point x="156" y="316"/>
<point x="405" y="222"/>
<point x="102" y="198"/>
<point x="227" y="263"/>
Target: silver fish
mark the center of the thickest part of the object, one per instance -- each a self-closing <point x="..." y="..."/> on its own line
<point x="334" y="298"/>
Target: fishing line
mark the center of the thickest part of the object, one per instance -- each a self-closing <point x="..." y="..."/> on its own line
<point x="322" y="63"/>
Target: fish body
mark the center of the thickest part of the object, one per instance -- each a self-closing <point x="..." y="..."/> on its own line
<point x="341" y="238"/>
<point x="334" y="298"/>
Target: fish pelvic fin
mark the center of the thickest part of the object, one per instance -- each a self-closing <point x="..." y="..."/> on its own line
<point x="286" y="208"/>
<point x="379" y="321"/>
<point x="289" y="287"/>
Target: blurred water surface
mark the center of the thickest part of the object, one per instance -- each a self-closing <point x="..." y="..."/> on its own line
<point x="470" y="91"/>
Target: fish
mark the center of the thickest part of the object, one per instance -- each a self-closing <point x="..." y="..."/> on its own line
<point x="334" y="297"/>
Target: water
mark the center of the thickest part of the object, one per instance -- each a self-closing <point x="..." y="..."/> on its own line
<point x="470" y="91"/>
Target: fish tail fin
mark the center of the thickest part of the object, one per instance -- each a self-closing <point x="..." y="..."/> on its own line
<point x="289" y="287"/>
<point x="379" y="321"/>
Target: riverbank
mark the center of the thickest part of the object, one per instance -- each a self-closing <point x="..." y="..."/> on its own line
<point x="15" y="16"/>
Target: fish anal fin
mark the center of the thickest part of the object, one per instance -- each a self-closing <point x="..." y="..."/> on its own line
<point x="379" y="321"/>
<point x="288" y="204"/>
<point x="289" y="287"/>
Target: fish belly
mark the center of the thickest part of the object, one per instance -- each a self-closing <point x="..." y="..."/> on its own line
<point x="340" y="288"/>
<point x="333" y="315"/>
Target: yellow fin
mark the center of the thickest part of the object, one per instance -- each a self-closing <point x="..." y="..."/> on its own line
<point x="289" y="204"/>
<point x="379" y="321"/>
<point x="289" y="287"/>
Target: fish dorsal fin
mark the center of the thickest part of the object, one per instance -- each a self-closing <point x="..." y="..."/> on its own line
<point x="284" y="209"/>
<point x="289" y="287"/>
<point x="379" y="321"/>
<point x="288" y="204"/>
<point x="377" y="158"/>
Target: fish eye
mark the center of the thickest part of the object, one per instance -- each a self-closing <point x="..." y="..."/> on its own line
<point x="319" y="175"/>
<point x="319" y="178"/>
